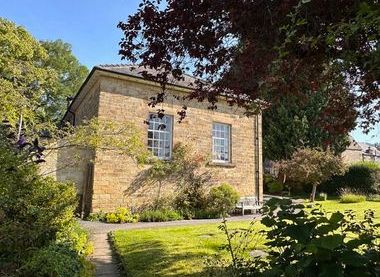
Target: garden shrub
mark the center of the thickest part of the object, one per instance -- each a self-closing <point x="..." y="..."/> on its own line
<point x="160" y="215"/>
<point x="121" y="215"/>
<point x="112" y="218"/>
<point x="307" y="242"/>
<point x="207" y="213"/>
<point x="162" y="203"/>
<point x="222" y="200"/>
<point x="35" y="213"/>
<point x="272" y="185"/>
<point x="362" y="177"/>
<point x="53" y="260"/>
<point x="192" y="197"/>
<point x="76" y="238"/>
<point x="184" y="171"/>
<point x="351" y="196"/>
<point x="374" y="197"/>
<point x="311" y="243"/>
<point x="98" y="216"/>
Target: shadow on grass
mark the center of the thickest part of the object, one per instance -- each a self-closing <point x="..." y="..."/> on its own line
<point x="152" y="258"/>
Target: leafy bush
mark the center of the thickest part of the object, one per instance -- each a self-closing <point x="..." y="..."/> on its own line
<point x="311" y="243"/>
<point x="160" y="215"/>
<point x="192" y="197"/>
<point x="122" y="215"/>
<point x="222" y="200"/>
<point x="112" y="218"/>
<point x="351" y="196"/>
<point x="53" y="260"/>
<point x="162" y="203"/>
<point x="272" y="185"/>
<point x="76" y="238"/>
<point x="308" y="242"/>
<point x="363" y="177"/>
<point x="183" y="170"/>
<point x="35" y="213"/>
<point x="374" y="198"/>
<point x="98" y="216"/>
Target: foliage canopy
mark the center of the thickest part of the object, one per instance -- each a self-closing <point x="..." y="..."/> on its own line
<point x="264" y="49"/>
<point x="312" y="166"/>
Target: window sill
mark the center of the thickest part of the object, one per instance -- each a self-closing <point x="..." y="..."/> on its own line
<point x="219" y="164"/>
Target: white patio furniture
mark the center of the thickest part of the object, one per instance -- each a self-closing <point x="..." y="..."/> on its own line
<point x="249" y="203"/>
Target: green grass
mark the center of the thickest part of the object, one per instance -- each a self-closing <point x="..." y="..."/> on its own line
<point x="170" y="251"/>
<point x="359" y="208"/>
<point x="181" y="251"/>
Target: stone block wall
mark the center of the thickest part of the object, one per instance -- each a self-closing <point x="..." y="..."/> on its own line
<point x="350" y="156"/>
<point x="71" y="164"/>
<point x="116" y="178"/>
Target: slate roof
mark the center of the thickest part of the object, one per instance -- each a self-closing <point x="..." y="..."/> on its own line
<point x="354" y="145"/>
<point x="365" y="148"/>
<point x="369" y="149"/>
<point x="136" y="71"/>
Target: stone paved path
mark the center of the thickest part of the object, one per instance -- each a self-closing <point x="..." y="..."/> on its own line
<point x="106" y="264"/>
<point x="102" y="257"/>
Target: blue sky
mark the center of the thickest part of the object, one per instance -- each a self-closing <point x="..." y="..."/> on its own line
<point x="90" y="27"/>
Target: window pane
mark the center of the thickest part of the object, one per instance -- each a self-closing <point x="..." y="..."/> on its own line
<point x="221" y="142"/>
<point x="160" y="136"/>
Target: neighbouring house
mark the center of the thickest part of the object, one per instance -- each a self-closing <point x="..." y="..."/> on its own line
<point x="360" y="151"/>
<point x="355" y="152"/>
<point x="105" y="179"/>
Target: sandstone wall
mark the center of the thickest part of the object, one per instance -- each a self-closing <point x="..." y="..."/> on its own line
<point x="116" y="178"/>
<point x="73" y="164"/>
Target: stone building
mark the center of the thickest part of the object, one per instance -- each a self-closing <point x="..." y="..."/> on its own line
<point x="360" y="151"/>
<point x="120" y="93"/>
<point x="353" y="152"/>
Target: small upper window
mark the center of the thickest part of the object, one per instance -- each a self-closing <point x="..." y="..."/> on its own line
<point x="160" y="136"/>
<point x="221" y="142"/>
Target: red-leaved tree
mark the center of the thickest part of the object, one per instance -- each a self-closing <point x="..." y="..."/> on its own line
<point x="245" y="50"/>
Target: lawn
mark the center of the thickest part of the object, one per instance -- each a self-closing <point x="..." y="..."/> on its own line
<point x="172" y="251"/>
<point x="182" y="251"/>
<point x="359" y="208"/>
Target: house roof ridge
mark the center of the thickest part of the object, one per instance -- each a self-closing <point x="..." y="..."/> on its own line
<point x="108" y="65"/>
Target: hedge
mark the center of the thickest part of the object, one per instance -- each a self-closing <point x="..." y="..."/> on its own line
<point x="363" y="177"/>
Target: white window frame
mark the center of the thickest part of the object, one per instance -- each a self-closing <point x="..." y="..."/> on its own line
<point x="159" y="139"/>
<point x="221" y="142"/>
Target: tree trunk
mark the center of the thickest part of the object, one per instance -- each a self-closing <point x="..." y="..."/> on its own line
<point x="312" y="195"/>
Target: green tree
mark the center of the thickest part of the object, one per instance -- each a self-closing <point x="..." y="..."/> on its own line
<point x="35" y="78"/>
<point x="71" y="75"/>
<point x="23" y="78"/>
<point x="312" y="166"/>
<point x="294" y="122"/>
